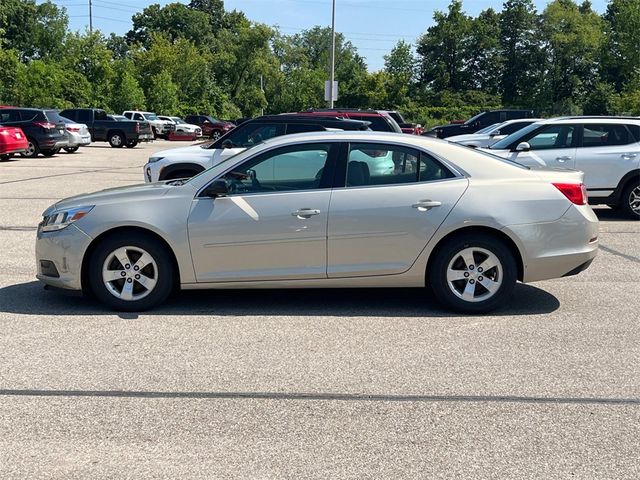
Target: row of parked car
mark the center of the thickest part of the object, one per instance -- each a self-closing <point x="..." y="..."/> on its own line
<point x="606" y="149"/>
<point x="31" y="131"/>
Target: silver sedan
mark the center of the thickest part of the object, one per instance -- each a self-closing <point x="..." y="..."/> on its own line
<point x="327" y="209"/>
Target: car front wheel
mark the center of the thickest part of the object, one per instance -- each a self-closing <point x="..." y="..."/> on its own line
<point x="71" y="149"/>
<point x="473" y="275"/>
<point x="116" y="140"/>
<point x="131" y="272"/>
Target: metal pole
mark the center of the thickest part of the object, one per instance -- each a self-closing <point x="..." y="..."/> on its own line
<point x="90" y="18"/>
<point x="333" y="53"/>
<point x="262" y="90"/>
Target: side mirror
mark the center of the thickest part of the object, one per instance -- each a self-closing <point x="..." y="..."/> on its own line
<point x="218" y="188"/>
<point x="494" y="134"/>
<point x="227" y="144"/>
<point x="523" y="147"/>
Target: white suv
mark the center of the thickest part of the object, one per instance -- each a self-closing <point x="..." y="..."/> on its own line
<point x="161" y="128"/>
<point x="606" y="149"/>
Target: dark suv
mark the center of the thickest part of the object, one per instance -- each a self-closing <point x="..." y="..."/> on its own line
<point x="44" y="129"/>
<point x="380" y="121"/>
<point x="480" y="121"/>
<point x="211" y="127"/>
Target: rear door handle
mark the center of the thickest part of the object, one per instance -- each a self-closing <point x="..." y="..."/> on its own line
<point x="563" y="159"/>
<point x="306" y="213"/>
<point x="424" y="205"/>
<point x="629" y="156"/>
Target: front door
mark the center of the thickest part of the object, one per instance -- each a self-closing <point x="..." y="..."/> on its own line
<point x="273" y="223"/>
<point x="394" y="200"/>
<point x="553" y="146"/>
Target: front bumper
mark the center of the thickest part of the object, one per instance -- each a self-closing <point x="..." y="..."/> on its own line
<point x="59" y="257"/>
<point x="560" y="248"/>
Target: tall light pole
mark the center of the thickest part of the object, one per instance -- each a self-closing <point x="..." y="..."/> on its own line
<point x="333" y="54"/>
<point x="90" y="18"/>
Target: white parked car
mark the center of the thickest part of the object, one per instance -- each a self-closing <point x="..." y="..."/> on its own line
<point x="160" y="128"/>
<point x="182" y="126"/>
<point x="77" y="133"/>
<point x="489" y="135"/>
<point x="606" y="149"/>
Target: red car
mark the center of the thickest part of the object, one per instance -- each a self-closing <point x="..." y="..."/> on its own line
<point x="12" y="140"/>
<point x="211" y="127"/>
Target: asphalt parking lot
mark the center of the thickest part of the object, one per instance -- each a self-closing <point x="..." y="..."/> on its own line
<point x="310" y="384"/>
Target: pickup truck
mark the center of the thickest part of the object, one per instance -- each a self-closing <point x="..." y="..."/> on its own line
<point x="103" y="129"/>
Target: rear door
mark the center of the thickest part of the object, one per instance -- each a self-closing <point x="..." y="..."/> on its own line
<point x="391" y="202"/>
<point x="608" y="152"/>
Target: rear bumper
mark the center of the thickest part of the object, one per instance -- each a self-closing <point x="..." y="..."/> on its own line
<point x="557" y="249"/>
<point x="78" y="140"/>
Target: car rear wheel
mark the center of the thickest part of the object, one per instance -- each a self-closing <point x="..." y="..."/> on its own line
<point x="473" y="275"/>
<point x="631" y="199"/>
<point x="71" y="149"/>
<point x="32" y="149"/>
<point x="216" y="134"/>
<point x="132" y="143"/>
<point x="131" y="272"/>
<point x="4" y="158"/>
<point x="116" y="140"/>
<point x="50" y="152"/>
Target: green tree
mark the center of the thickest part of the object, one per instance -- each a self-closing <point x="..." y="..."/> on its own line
<point x="443" y="50"/>
<point x="126" y="93"/>
<point x="484" y="60"/>
<point x="574" y="38"/>
<point x="400" y="67"/>
<point x="621" y="52"/>
<point x="162" y="96"/>
<point x="521" y="52"/>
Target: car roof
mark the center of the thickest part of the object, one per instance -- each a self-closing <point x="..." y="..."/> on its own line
<point x="302" y="118"/>
<point x="591" y="119"/>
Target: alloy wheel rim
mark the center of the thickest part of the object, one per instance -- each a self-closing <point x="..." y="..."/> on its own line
<point x="130" y="273"/>
<point x="634" y="200"/>
<point x="31" y="149"/>
<point x="216" y="135"/>
<point x="474" y="274"/>
<point x="116" y="140"/>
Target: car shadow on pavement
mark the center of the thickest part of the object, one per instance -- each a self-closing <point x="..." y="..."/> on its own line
<point x="31" y="299"/>
<point x="606" y="214"/>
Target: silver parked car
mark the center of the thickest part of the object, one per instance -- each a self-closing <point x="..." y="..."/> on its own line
<point x="327" y="209"/>
<point x="77" y="134"/>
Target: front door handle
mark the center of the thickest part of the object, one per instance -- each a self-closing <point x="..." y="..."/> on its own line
<point x="425" y="205"/>
<point x="563" y="159"/>
<point x="304" y="213"/>
<point x="629" y="156"/>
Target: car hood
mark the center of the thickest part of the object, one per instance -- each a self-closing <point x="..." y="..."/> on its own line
<point x="127" y="194"/>
<point x="468" y="137"/>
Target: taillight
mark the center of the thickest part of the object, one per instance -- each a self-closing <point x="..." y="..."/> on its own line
<point x="137" y="127"/>
<point x="46" y="125"/>
<point x="575" y="192"/>
<point x="73" y="129"/>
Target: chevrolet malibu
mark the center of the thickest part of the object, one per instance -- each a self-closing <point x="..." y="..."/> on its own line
<point x="326" y="210"/>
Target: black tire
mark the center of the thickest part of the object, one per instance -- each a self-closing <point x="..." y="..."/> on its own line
<point x="4" y="158"/>
<point x="33" y="150"/>
<point x="630" y="200"/>
<point x="71" y="149"/>
<point x="132" y="143"/>
<point x="155" y="132"/>
<point x="164" y="273"/>
<point x="506" y="274"/>
<point x="117" y="139"/>
<point x="50" y="152"/>
<point x="180" y="174"/>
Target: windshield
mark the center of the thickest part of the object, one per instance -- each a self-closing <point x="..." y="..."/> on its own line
<point x="473" y="119"/>
<point x="505" y="142"/>
<point x="508" y="161"/>
<point x="223" y="162"/>
<point x="178" y="120"/>
<point x="490" y="127"/>
<point x="397" y="117"/>
<point x="150" y="116"/>
<point x="54" y="116"/>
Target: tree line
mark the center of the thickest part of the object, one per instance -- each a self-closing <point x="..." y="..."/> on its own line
<point x="200" y="57"/>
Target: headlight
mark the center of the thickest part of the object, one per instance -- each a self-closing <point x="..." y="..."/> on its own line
<point x="60" y="219"/>
<point x="155" y="159"/>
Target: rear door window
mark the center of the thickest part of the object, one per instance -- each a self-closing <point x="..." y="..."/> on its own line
<point x="635" y="132"/>
<point x="605" y="135"/>
<point x="379" y="164"/>
<point x="9" y="115"/>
